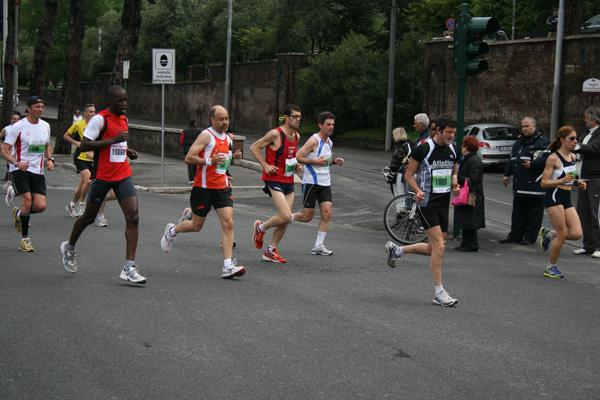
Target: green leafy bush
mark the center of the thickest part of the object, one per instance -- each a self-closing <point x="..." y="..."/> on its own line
<point x="350" y="81"/>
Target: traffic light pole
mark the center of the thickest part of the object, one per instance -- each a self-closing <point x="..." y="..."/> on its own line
<point x="460" y="55"/>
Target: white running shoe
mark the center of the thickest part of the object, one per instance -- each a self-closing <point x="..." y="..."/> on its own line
<point x="443" y="299"/>
<point x="580" y="251"/>
<point x="596" y="254"/>
<point x="72" y="210"/>
<point x="10" y="196"/>
<point x="186" y="216"/>
<point x="390" y="252"/>
<point x="101" y="221"/>
<point x="321" y="251"/>
<point x="81" y="210"/>
<point x="131" y="274"/>
<point x="68" y="258"/>
<point x="166" y="242"/>
<point x="232" y="270"/>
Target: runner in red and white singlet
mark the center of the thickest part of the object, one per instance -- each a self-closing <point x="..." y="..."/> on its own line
<point x="211" y="152"/>
<point x="279" y="166"/>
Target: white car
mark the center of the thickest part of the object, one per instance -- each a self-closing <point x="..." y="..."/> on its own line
<point x="495" y="141"/>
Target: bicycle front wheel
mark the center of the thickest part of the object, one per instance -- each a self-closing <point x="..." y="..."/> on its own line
<point x="402" y="221"/>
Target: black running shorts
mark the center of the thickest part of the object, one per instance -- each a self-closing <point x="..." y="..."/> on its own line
<point x="312" y="193"/>
<point x="434" y="216"/>
<point x="558" y="197"/>
<point x="99" y="189"/>
<point x="28" y="182"/>
<point x="202" y="200"/>
<point x="81" y="165"/>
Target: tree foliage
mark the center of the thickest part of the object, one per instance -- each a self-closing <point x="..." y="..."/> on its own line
<point x="350" y="81"/>
<point x="197" y="29"/>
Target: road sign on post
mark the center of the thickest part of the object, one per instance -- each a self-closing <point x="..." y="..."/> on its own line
<point x="163" y="66"/>
<point x="163" y="72"/>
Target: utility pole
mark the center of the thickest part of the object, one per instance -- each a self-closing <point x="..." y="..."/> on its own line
<point x="557" y="63"/>
<point x="391" y="71"/>
<point x="228" y="57"/>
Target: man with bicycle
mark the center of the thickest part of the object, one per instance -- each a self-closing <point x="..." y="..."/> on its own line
<point x="431" y="174"/>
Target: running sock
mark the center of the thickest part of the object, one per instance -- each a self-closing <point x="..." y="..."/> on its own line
<point x="552" y="265"/>
<point x="292" y="220"/>
<point x="70" y="248"/>
<point x="439" y="289"/>
<point x="24" y="224"/>
<point x="320" y="238"/>
<point x="270" y="249"/>
<point x="260" y="228"/>
<point x="226" y="262"/>
<point x="99" y="216"/>
<point x="399" y="252"/>
<point x="72" y="204"/>
<point x="172" y="231"/>
<point x="129" y="263"/>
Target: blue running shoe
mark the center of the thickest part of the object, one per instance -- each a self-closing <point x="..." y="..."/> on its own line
<point x="553" y="272"/>
<point x="546" y="238"/>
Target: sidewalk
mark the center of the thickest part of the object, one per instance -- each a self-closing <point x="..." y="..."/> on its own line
<point x="148" y="174"/>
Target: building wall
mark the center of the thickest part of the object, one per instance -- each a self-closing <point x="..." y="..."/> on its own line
<point x="519" y="82"/>
<point x="259" y="92"/>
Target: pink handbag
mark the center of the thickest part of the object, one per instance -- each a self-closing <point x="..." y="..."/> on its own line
<point x="465" y="198"/>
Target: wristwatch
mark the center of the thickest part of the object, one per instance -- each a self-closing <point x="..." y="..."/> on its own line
<point x="15" y="163"/>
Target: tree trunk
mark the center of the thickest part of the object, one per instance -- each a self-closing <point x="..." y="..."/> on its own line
<point x="9" y="71"/>
<point x="73" y="67"/>
<point x="42" y="49"/>
<point x="131" y="22"/>
<point x="574" y="11"/>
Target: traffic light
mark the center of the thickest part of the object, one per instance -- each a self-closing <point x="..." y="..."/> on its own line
<point x="476" y="29"/>
<point x="469" y="44"/>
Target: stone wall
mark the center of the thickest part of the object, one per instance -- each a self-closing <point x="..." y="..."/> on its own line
<point x="519" y="82"/>
<point x="259" y="92"/>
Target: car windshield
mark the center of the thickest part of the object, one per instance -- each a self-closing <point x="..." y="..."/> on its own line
<point x="501" y="133"/>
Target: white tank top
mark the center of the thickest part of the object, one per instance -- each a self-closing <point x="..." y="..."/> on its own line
<point x="314" y="174"/>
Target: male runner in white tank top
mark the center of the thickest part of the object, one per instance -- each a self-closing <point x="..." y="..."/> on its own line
<point x="317" y="156"/>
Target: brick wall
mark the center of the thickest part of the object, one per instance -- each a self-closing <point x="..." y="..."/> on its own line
<point x="519" y="82"/>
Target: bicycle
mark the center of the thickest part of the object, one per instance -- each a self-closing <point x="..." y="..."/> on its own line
<point x="402" y="220"/>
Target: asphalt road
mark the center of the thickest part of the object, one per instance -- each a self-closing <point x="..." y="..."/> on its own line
<point x="339" y="327"/>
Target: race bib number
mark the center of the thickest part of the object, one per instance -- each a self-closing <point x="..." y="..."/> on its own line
<point x="36" y="148"/>
<point x="290" y="166"/>
<point x="222" y="167"/>
<point x="441" y="180"/>
<point x="118" y="152"/>
<point x="571" y="170"/>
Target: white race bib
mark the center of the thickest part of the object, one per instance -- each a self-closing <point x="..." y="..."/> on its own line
<point x="118" y="152"/>
<point x="290" y="166"/>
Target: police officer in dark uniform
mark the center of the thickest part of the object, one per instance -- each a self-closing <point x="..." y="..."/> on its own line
<point x="188" y="136"/>
<point x="527" y="161"/>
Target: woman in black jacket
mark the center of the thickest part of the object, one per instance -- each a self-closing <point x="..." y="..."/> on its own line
<point x="400" y="157"/>
<point x="469" y="218"/>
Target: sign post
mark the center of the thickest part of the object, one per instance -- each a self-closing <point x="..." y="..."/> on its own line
<point x="163" y="72"/>
<point x="591" y="88"/>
